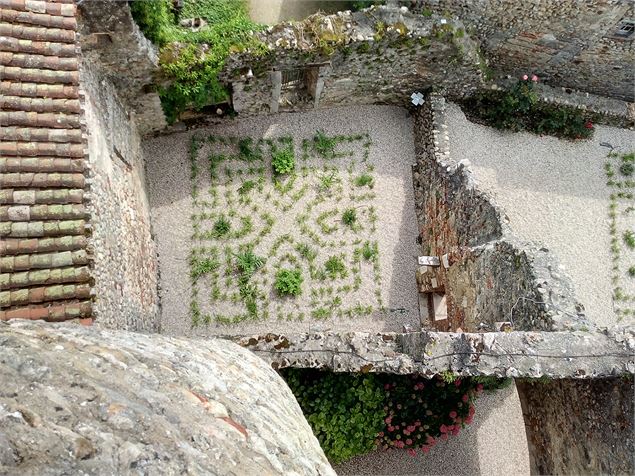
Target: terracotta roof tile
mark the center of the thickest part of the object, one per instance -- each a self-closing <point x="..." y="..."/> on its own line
<point x="41" y="164"/>
<point x="45" y="265"/>
<point x="30" y="197"/>
<point x="35" y="149"/>
<point x="35" y="119"/>
<point x="10" y="264"/>
<point x="34" y="75"/>
<point x="40" y="134"/>
<point x="36" y="33"/>
<point x="17" y="45"/>
<point x="78" y="274"/>
<point x="37" y="229"/>
<point x="23" y="105"/>
<point x="11" y="246"/>
<point x="26" y="89"/>
<point x="42" y="180"/>
<point x="40" y="19"/>
<point x="55" y="312"/>
<point x="27" y="60"/>
<point x="42" y="212"/>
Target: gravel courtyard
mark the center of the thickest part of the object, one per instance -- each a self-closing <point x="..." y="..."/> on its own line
<point x="217" y="199"/>
<point x="554" y="192"/>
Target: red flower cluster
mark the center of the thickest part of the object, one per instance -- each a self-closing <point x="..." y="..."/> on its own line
<point x="419" y="415"/>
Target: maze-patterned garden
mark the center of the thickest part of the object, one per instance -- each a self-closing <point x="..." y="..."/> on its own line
<point x="283" y="230"/>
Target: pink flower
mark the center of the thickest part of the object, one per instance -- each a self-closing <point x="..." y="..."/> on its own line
<point x="468" y="420"/>
<point x="525" y="77"/>
<point x="425" y="449"/>
<point x="387" y="420"/>
<point x="534" y="78"/>
<point x="408" y="441"/>
<point x="453" y="414"/>
<point x="443" y="429"/>
<point x="398" y="406"/>
<point x="399" y="444"/>
<point x="380" y="434"/>
<point x="458" y="420"/>
<point x="412" y="452"/>
<point x="479" y="388"/>
<point x="456" y="430"/>
<point x="444" y="436"/>
<point x="391" y="428"/>
<point x="430" y="440"/>
<point x="588" y="125"/>
<point x="472" y="410"/>
<point x="465" y="398"/>
<point x="387" y="386"/>
<point x="457" y="382"/>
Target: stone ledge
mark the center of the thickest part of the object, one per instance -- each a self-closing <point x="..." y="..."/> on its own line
<point x="500" y="354"/>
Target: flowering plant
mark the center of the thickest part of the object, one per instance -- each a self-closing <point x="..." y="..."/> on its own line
<point x="352" y="414"/>
<point x="421" y="412"/>
<point x="518" y="109"/>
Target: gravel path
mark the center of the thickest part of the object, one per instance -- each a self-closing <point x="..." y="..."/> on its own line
<point x="494" y="444"/>
<point x="392" y="154"/>
<point x="271" y="12"/>
<point x="554" y="192"/>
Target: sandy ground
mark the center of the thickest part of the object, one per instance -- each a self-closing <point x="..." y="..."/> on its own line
<point x="494" y="444"/>
<point x="554" y="192"/>
<point x="270" y="12"/>
<point x="392" y="154"/>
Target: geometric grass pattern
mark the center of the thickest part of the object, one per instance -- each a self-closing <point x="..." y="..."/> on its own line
<point x="249" y="223"/>
<point x="620" y="172"/>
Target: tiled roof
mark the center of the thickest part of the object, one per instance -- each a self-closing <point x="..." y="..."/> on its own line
<point x="44" y="258"/>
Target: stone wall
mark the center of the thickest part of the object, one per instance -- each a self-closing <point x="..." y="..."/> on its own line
<point x="78" y="400"/>
<point x="377" y="56"/>
<point x="579" y="354"/>
<point x="110" y="37"/>
<point x="579" y="427"/>
<point x="125" y="268"/>
<point x="486" y="275"/>
<point x="567" y="43"/>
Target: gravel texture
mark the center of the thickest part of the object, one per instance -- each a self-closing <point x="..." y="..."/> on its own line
<point x="554" y="192"/>
<point x="494" y="444"/>
<point x="391" y="153"/>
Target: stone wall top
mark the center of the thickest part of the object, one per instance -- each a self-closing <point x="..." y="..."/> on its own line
<point x="82" y="400"/>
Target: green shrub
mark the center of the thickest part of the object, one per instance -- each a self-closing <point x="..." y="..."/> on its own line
<point x="370" y="251"/>
<point x="352" y="414"/>
<point x="627" y="167"/>
<point x="221" y="226"/>
<point x="248" y="263"/>
<point x="201" y="266"/>
<point x="519" y="109"/>
<point x="289" y="281"/>
<point x="283" y="160"/>
<point x="324" y="145"/>
<point x="246" y="187"/>
<point x="364" y="180"/>
<point x="345" y="411"/>
<point x="191" y="60"/>
<point x="335" y="267"/>
<point x="629" y="239"/>
<point x="349" y="217"/>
